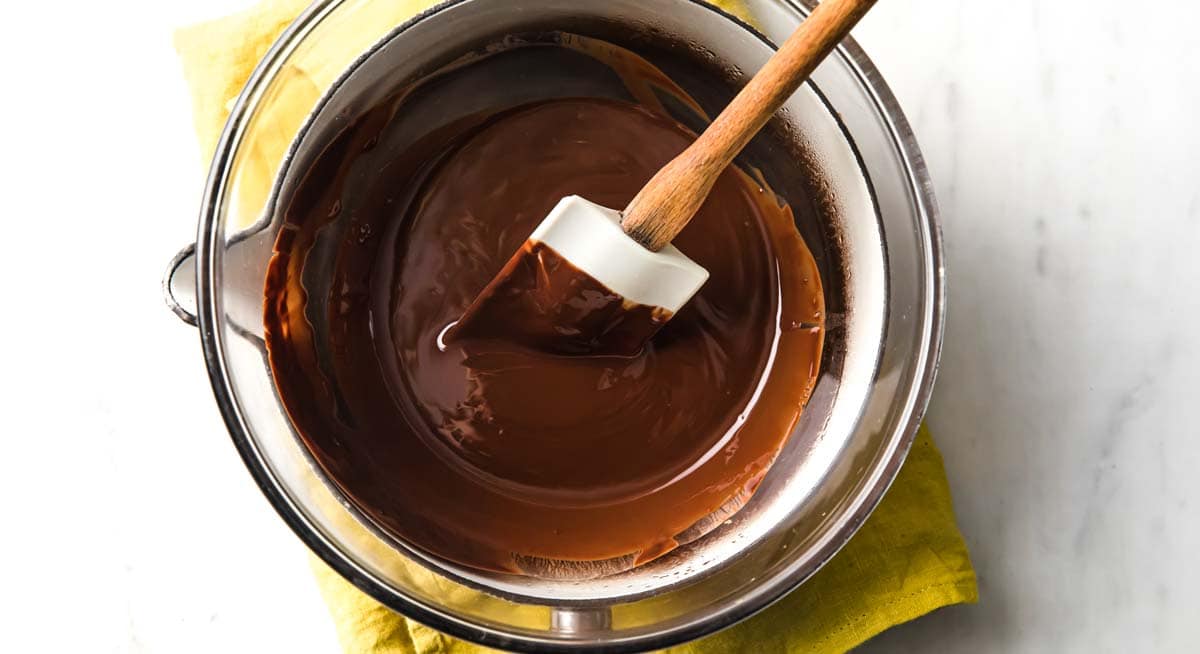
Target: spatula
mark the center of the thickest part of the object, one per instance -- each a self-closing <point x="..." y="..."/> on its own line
<point x="592" y="280"/>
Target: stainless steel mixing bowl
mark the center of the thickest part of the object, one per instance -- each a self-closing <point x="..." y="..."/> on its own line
<point x="885" y="292"/>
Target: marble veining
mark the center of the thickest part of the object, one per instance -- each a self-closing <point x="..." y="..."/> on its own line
<point x="1063" y="149"/>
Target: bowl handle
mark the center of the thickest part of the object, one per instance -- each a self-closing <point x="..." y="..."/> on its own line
<point x="179" y="285"/>
<point x="581" y="621"/>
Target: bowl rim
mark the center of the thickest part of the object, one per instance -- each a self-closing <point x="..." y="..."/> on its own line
<point x="208" y="243"/>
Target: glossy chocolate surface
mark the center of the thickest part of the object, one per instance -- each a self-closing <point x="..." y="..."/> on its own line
<point x="487" y="451"/>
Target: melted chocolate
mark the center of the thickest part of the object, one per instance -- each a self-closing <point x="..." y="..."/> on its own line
<point x="542" y="301"/>
<point x="490" y="453"/>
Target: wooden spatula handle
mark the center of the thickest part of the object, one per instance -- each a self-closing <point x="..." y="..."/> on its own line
<point x="669" y="200"/>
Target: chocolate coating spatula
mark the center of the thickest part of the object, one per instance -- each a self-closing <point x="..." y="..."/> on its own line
<point x="592" y="280"/>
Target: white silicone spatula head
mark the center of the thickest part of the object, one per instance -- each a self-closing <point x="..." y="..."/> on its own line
<point x="590" y="237"/>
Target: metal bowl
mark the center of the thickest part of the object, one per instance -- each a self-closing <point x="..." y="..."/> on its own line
<point x="884" y="284"/>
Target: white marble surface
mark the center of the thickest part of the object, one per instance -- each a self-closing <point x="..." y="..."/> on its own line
<point x="1063" y="142"/>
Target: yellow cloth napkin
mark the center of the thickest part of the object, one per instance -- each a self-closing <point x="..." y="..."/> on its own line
<point x="908" y="558"/>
